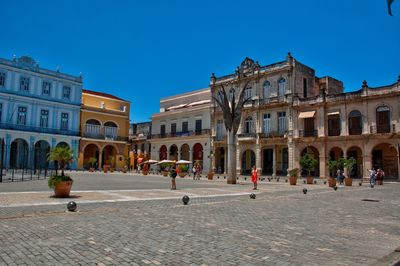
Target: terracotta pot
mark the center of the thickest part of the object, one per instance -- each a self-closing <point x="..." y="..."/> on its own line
<point x="293" y="180"/>
<point x="165" y="173"/>
<point x="145" y="172"/>
<point x="91" y="169"/>
<point x="332" y="182"/>
<point x="348" y="181"/>
<point x="310" y="180"/>
<point x="210" y="176"/>
<point x="182" y="174"/>
<point x="62" y="189"/>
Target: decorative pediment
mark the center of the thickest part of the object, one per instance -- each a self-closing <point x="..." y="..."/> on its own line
<point x="26" y="61"/>
<point x="247" y="66"/>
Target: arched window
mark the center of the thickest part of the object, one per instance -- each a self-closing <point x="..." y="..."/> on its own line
<point x="281" y="87"/>
<point x="248" y="125"/>
<point x="383" y="119"/>
<point x="355" y="123"/>
<point x="266" y="89"/>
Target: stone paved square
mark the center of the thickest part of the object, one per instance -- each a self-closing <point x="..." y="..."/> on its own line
<point x="282" y="226"/>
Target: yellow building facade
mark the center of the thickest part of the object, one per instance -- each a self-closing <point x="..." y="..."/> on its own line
<point x="104" y="123"/>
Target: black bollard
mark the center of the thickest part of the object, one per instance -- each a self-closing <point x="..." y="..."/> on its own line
<point x="252" y="196"/>
<point x="304" y="191"/>
<point x="71" y="206"/>
<point x="185" y="200"/>
<point x="335" y="188"/>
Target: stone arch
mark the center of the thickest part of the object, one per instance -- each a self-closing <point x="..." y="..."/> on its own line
<point x="248" y="160"/>
<point x="109" y="155"/>
<point x="63" y="144"/>
<point x="315" y="153"/>
<point x="220" y="153"/>
<point x="163" y="153"/>
<point x="185" y="152"/>
<point x="173" y="152"/>
<point x="42" y="149"/>
<point x="197" y="151"/>
<point x="19" y="150"/>
<point x="385" y="156"/>
<point x="91" y="150"/>
<point x="357" y="153"/>
<point x="92" y="121"/>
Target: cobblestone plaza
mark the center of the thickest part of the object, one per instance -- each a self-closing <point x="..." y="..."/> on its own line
<point x="141" y="222"/>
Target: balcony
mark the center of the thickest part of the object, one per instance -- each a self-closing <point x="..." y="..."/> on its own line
<point x="272" y="134"/>
<point x="181" y="134"/>
<point x="308" y="133"/>
<point x="99" y="132"/>
<point x="38" y="129"/>
<point x="355" y="131"/>
<point x="387" y="128"/>
<point x="247" y="135"/>
<point x="274" y="99"/>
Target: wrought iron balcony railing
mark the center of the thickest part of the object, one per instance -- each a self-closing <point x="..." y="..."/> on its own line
<point x="181" y="134"/>
<point x="308" y="133"/>
<point x="38" y="129"/>
<point x="387" y="128"/>
<point x="247" y="135"/>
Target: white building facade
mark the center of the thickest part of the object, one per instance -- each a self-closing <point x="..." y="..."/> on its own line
<point x="39" y="110"/>
<point x="181" y="131"/>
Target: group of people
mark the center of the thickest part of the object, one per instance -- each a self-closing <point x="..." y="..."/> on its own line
<point x="376" y="175"/>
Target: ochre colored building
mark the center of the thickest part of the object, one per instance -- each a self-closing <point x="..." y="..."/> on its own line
<point x="104" y="131"/>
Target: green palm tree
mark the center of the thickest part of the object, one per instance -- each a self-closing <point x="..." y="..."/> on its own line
<point x="63" y="156"/>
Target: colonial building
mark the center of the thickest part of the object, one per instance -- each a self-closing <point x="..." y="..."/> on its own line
<point x="39" y="110"/>
<point x="139" y="138"/>
<point x="181" y="131"/>
<point x="104" y="128"/>
<point x="293" y="112"/>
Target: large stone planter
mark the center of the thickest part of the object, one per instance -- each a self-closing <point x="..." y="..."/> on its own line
<point x="62" y="189"/>
<point x="182" y="174"/>
<point x="348" y="181"/>
<point x="332" y="182"/>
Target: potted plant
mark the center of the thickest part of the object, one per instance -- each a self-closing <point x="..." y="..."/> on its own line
<point x="350" y="162"/>
<point x="332" y="165"/>
<point x="112" y="163"/>
<point x="61" y="183"/>
<point x="92" y="162"/>
<point x="182" y="169"/>
<point x="294" y="173"/>
<point x="173" y="175"/>
<point x="210" y="175"/>
<point x="164" y="167"/>
<point x="308" y="164"/>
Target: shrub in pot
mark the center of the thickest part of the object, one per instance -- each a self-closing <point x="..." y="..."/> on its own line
<point x="332" y="165"/>
<point x="350" y="162"/>
<point x="294" y="174"/>
<point x="61" y="183"/>
<point x="182" y="169"/>
<point x="308" y="164"/>
<point x="92" y="162"/>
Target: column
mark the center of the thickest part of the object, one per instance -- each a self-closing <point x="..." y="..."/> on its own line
<point x="238" y="162"/>
<point x="74" y="145"/>
<point x="191" y="156"/>
<point x="258" y="156"/>
<point x="274" y="161"/>
<point x="100" y="159"/>
<point x="367" y="165"/>
<point x="7" y="151"/>
<point x="31" y="152"/>
<point x="322" y="167"/>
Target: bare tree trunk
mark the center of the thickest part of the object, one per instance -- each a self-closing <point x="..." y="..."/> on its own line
<point x="231" y="157"/>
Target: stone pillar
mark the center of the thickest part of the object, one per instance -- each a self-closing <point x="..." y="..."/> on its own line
<point x="258" y="156"/>
<point x="31" y="152"/>
<point x="238" y="162"/>
<point x="100" y="158"/>
<point x="75" y="146"/>
<point x="274" y="161"/>
<point x="367" y="165"/>
<point x="322" y="167"/>
<point x="7" y="151"/>
<point x="191" y="156"/>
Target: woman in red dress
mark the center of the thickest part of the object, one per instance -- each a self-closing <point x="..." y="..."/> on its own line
<point x="254" y="177"/>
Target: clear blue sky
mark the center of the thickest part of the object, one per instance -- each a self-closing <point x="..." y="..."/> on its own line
<point x="145" y="50"/>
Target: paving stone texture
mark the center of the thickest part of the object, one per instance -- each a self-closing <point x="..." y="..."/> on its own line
<point x="282" y="226"/>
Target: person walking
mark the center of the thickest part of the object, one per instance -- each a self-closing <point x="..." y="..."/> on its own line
<point x="254" y="177"/>
<point x="339" y="176"/>
<point x="372" y="177"/>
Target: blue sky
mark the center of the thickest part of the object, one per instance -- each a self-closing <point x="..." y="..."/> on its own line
<point x="145" y="50"/>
